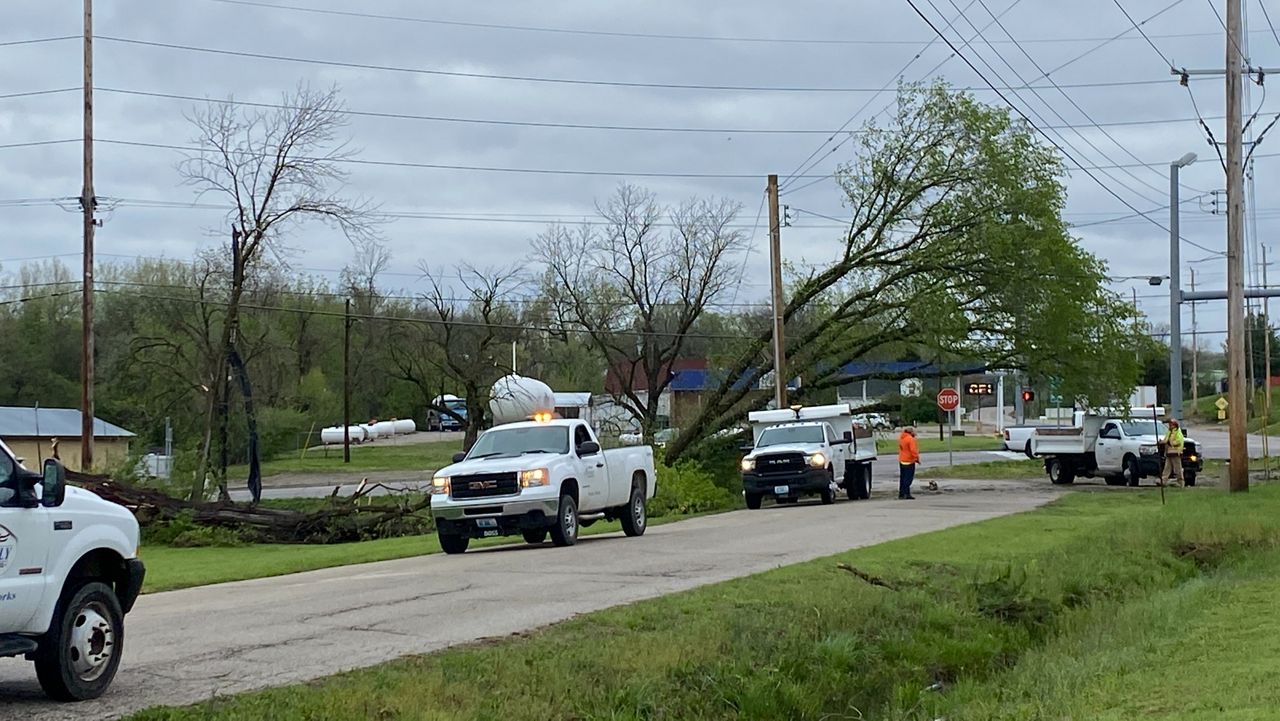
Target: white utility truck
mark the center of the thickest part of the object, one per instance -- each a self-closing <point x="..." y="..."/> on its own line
<point x="69" y="572"/>
<point x="545" y="476"/>
<point x="805" y="451"/>
<point x="1107" y="445"/>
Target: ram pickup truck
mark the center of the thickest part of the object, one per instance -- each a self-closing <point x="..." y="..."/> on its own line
<point x="539" y="478"/>
<point x="69" y="572"/>
<point x="799" y="452"/>
<point x="1120" y="451"/>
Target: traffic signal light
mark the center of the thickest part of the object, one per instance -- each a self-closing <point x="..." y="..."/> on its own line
<point x="1028" y="395"/>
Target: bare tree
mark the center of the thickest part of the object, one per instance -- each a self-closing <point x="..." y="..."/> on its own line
<point x="278" y="167"/>
<point x="636" y="286"/>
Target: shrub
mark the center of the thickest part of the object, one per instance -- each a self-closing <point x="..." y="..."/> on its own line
<point x="184" y="532"/>
<point x="688" y="488"/>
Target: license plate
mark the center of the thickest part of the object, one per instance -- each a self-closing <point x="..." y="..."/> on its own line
<point x="487" y="522"/>
<point x="489" y="534"/>
<point x="781" y="490"/>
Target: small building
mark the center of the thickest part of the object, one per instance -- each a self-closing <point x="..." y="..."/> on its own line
<point x="31" y="434"/>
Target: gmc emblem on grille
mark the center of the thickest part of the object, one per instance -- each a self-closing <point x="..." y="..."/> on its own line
<point x="482" y="485"/>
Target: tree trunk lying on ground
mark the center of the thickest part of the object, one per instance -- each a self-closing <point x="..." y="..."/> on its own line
<point x="343" y="519"/>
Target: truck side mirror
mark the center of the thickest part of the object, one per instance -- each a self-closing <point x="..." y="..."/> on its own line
<point x="848" y="436"/>
<point x="54" y="485"/>
<point x="459" y="457"/>
<point x="747" y="448"/>
<point x="588" y="448"/>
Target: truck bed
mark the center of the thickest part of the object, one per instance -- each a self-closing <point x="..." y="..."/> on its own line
<point x="1060" y="442"/>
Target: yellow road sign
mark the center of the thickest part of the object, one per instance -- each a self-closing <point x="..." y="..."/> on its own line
<point x="1221" y="403"/>
<point x="1222" y="415"/>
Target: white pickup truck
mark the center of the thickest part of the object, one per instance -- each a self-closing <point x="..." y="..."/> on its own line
<point x="1121" y="451"/>
<point x="805" y="451"/>
<point x="540" y="477"/>
<point x="69" y="572"/>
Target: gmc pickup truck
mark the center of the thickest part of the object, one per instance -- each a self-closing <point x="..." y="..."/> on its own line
<point x="69" y="572"/>
<point x="539" y="478"/>
<point x="807" y="451"/>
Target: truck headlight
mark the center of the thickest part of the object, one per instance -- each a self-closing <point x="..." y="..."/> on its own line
<point x="440" y="486"/>
<point x="818" y="460"/>
<point x="1149" y="450"/>
<point x="535" y="478"/>
<point x="748" y="464"/>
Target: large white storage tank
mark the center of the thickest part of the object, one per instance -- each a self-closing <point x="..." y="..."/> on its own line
<point x="515" y="398"/>
<point x="405" y="425"/>
<point x="333" y="435"/>
<point x="385" y="429"/>
<point x="370" y="433"/>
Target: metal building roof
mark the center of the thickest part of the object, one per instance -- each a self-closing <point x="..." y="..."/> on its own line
<point x="18" y="422"/>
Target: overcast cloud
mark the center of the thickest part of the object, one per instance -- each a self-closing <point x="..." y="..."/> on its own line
<point x="1050" y="31"/>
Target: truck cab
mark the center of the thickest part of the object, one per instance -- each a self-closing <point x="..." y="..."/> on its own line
<point x="809" y="451"/>
<point x="69" y="572"/>
<point x="540" y="478"/>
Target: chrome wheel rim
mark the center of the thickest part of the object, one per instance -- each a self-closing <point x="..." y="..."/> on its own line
<point x="93" y="642"/>
<point x="570" y="519"/>
<point x="638" y="510"/>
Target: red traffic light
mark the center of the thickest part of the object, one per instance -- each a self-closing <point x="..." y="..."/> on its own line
<point x="1028" y="396"/>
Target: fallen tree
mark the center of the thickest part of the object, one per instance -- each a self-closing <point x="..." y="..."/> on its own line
<point x="343" y="519"/>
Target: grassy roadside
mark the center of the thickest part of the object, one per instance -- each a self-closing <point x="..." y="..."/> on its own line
<point x="970" y="607"/>
<point x="170" y="569"/>
<point x="929" y="444"/>
<point x="987" y="470"/>
<point x="368" y="457"/>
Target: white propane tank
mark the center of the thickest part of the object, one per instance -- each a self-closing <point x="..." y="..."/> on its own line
<point x="333" y="435"/>
<point x="515" y="398"/>
<point x="385" y="429"/>
<point x="370" y="433"/>
<point x="405" y="425"/>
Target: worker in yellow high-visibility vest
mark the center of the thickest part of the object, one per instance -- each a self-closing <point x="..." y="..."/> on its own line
<point x="1173" y="443"/>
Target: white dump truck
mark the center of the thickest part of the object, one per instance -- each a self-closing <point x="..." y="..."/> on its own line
<point x="69" y="572"/>
<point x="541" y="477"/>
<point x="806" y="451"/>
<point x="1104" y="444"/>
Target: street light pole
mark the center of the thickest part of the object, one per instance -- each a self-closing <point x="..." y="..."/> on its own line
<point x="1175" y="290"/>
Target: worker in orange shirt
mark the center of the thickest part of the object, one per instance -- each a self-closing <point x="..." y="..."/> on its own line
<point x="908" y="457"/>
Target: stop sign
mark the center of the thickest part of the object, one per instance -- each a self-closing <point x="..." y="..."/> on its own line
<point x="948" y="399"/>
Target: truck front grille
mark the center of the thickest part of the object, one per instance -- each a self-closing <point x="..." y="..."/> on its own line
<point x="780" y="463"/>
<point x="484" y="485"/>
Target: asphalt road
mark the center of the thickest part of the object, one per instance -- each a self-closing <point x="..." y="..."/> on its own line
<point x="190" y="645"/>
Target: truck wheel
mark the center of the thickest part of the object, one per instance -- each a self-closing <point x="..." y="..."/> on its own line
<point x="452" y="544"/>
<point x="753" y="501"/>
<point x="1119" y="480"/>
<point x="635" y="518"/>
<point x="1027" y="449"/>
<point x="1132" y="474"/>
<point x="534" y="536"/>
<point x="1060" y="474"/>
<point x="1189" y="478"/>
<point x="565" y="532"/>
<point x="828" y="494"/>
<point x="78" y="657"/>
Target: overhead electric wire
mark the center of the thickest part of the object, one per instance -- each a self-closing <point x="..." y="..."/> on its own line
<point x="1136" y="26"/>
<point x="1017" y="110"/>
<point x="1267" y="16"/>
<point x="37" y="41"/>
<point x="33" y="93"/>
<point x="539" y="79"/>
<point x="36" y="143"/>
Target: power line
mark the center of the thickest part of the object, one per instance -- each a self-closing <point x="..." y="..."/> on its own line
<point x="1136" y="26"/>
<point x="33" y="93"/>
<point x="1262" y="4"/>
<point x="37" y="41"/>
<point x="539" y="79"/>
<point x="37" y="143"/>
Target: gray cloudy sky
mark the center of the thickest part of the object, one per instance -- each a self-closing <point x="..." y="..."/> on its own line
<point x="863" y="45"/>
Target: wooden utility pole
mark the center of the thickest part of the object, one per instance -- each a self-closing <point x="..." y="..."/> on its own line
<point x="88" y="203"/>
<point x="1238" y="476"/>
<point x="775" y="264"/>
<point x="346" y="384"/>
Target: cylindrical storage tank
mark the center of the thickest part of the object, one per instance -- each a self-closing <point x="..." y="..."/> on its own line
<point x="385" y="429"/>
<point x="333" y="435"/>
<point x="515" y="398"/>
<point x="405" y="425"/>
<point x="370" y="433"/>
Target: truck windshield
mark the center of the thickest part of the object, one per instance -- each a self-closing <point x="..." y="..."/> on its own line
<point x="517" y="441"/>
<point x="790" y="434"/>
<point x="1141" y="428"/>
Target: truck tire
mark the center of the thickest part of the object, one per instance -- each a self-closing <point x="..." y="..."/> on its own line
<point x="1132" y="474"/>
<point x="828" y="494"/>
<point x="1027" y="449"/>
<point x="1116" y="480"/>
<point x="634" y="518"/>
<point x="1060" y="474"/>
<point x="452" y="544"/>
<point x="565" y="531"/>
<point x="78" y="657"/>
<point x="753" y="501"/>
<point x="1189" y="478"/>
<point x="534" y="536"/>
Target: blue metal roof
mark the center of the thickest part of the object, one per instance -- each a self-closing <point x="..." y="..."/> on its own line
<point x="18" y="422"/>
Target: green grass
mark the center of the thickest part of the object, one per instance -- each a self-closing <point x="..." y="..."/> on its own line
<point x="931" y="444"/>
<point x="984" y="609"/>
<point x="169" y="568"/>
<point x="987" y="470"/>
<point x="371" y="457"/>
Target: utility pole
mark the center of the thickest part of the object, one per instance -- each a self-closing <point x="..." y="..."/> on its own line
<point x="88" y="203"/>
<point x="346" y="384"/>
<point x="1195" y="349"/>
<point x="1238" y="475"/>
<point x="775" y="262"/>
<point x="1175" y="288"/>
<point x="1266" y="365"/>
